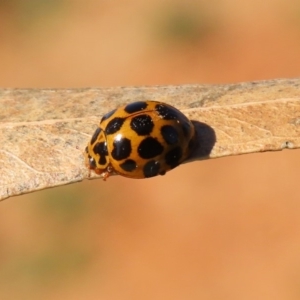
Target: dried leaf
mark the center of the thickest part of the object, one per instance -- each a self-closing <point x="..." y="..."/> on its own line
<point x="43" y="132"/>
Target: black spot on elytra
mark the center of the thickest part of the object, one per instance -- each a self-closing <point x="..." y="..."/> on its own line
<point x="128" y="165"/>
<point x="151" y="168"/>
<point x="102" y="160"/>
<point x="173" y="157"/>
<point x="135" y="107"/>
<point x="114" y="125"/>
<point x="108" y="115"/>
<point x="95" y="135"/>
<point x="170" y="134"/>
<point x="149" y="148"/>
<point x="167" y="112"/>
<point x="142" y="124"/>
<point x="101" y="149"/>
<point x="121" y="148"/>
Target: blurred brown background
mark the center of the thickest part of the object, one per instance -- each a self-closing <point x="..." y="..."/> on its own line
<point x="219" y="229"/>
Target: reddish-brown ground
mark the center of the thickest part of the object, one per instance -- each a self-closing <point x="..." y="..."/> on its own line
<point x="220" y="229"/>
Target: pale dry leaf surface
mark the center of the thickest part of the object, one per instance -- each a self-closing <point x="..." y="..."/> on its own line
<point x="43" y="133"/>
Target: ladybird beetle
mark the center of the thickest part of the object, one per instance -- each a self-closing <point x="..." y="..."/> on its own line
<point x="140" y="140"/>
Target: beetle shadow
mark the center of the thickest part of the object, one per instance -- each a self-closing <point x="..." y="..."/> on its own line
<point x="205" y="141"/>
